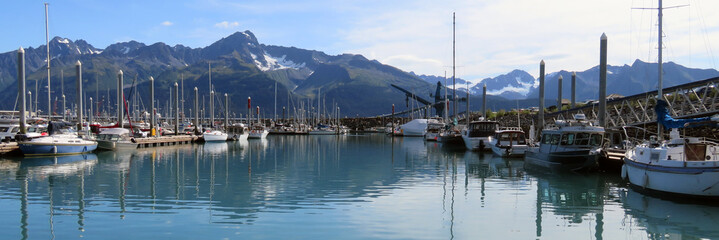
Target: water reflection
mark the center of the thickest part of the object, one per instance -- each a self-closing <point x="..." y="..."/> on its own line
<point x="357" y="187"/>
<point x="664" y="219"/>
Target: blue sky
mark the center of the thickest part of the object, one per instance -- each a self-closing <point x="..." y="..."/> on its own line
<point x="493" y="37"/>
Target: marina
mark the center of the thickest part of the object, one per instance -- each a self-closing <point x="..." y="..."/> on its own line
<point x="350" y="147"/>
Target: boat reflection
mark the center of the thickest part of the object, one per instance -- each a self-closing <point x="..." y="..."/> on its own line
<point x="665" y="219"/>
<point x="488" y="165"/>
<point x="215" y="148"/>
<point x="573" y="197"/>
<point x="41" y="167"/>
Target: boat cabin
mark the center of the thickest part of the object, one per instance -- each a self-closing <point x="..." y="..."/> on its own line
<point x="509" y="137"/>
<point x="482" y="128"/>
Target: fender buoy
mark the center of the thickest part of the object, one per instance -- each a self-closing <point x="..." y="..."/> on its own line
<point x="624" y="172"/>
<point x="54" y="149"/>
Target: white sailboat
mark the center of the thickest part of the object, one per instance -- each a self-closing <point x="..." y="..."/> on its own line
<point x="682" y="166"/>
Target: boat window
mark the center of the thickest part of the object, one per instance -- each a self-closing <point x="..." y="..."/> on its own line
<point x="3" y="129"/>
<point x="504" y="137"/>
<point x="555" y="139"/>
<point x="567" y="139"/>
<point x="581" y="139"/>
<point x="520" y="138"/>
<point x="546" y="138"/>
<point x="15" y="130"/>
<point x="596" y="140"/>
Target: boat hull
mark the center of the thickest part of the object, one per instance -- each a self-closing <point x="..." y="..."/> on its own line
<point x="579" y="160"/>
<point x="322" y="132"/>
<point x="476" y="143"/>
<point x="44" y="149"/>
<point x="509" y="151"/>
<point x="257" y="135"/>
<point x="115" y="145"/>
<point x="694" y="182"/>
<point x="214" y="137"/>
<point x="431" y="136"/>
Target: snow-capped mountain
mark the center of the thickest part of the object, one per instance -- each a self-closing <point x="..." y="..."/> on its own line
<point x="513" y="85"/>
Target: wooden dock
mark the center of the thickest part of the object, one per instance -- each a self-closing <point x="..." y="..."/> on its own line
<point x="9" y="148"/>
<point x="165" y="141"/>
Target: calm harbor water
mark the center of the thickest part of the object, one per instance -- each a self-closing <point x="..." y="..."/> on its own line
<point x="326" y="187"/>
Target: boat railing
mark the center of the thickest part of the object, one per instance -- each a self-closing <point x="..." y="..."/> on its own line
<point x="510" y="129"/>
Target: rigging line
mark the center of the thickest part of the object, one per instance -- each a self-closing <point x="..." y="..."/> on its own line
<point x="705" y="36"/>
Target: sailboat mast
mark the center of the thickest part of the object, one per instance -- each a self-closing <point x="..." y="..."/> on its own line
<point x="47" y="47"/>
<point x="454" y="87"/>
<point x="660" y="94"/>
<point x="275" y="101"/>
<point x="446" y="100"/>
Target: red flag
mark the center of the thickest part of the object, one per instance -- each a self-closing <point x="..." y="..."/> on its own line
<point x="248" y="103"/>
<point x="392" y="108"/>
<point x="258" y="110"/>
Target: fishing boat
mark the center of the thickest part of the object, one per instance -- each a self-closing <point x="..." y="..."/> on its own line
<point x="509" y="142"/>
<point x="60" y="141"/>
<point x="684" y="166"/>
<point x="213" y="135"/>
<point x="434" y="128"/>
<point x="477" y="134"/>
<point x="258" y="132"/>
<point x="571" y="145"/>
<point x="116" y="139"/>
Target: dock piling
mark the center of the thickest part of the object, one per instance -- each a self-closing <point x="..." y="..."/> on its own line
<point x="177" y="109"/>
<point x="21" y="88"/>
<point x="120" y="100"/>
<point x="540" y="121"/>
<point x="152" y="107"/>
<point x="603" y="80"/>
<point x="574" y="88"/>
<point x="559" y="93"/>
<point x="78" y="70"/>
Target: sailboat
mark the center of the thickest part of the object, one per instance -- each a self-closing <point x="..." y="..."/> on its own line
<point x="212" y="135"/>
<point x="682" y="166"/>
<point x="451" y="135"/>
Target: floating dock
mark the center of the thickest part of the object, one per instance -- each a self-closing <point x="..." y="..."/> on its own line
<point x="9" y="148"/>
<point x="165" y="141"/>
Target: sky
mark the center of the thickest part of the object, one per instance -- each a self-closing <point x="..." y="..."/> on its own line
<point x="492" y="37"/>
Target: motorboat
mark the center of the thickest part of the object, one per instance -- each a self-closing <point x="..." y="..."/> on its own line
<point x="258" y="132"/>
<point x="572" y="145"/>
<point x="60" y="141"/>
<point x="9" y="130"/>
<point x="477" y="134"/>
<point x="509" y="142"/>
<point x="434" y="128"/>
<point x="683" y="166"/>
<point x="115" y="139"/>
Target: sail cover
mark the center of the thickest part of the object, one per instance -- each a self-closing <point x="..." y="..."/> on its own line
<point x="668" y="122"/>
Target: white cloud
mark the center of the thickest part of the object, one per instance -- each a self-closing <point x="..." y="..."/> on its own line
<point x="167" y="23"/>
<point x="495" y="37"/>
<point x="226" y="24"/>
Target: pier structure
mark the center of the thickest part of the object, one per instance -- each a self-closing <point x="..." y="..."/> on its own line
<point x="690" y="100"/>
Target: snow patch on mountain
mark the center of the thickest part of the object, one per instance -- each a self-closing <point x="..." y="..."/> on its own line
<point x="276" y="63"/>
